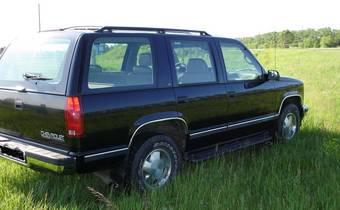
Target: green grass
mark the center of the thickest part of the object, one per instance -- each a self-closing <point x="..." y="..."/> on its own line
<point x="300" y="174"/>
<point x="112" y="60"/>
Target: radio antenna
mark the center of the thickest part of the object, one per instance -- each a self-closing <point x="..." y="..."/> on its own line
<point x="39" y="22"/>
<point x="275" y="46"/>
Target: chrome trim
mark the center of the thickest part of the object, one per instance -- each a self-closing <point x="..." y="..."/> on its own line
<point x="293" y="95"/>
<point x="105" y="153"/>
<point x="231" y="125"/>
<point x="32" y="143"/>
<point x="209" y="130"/>
<point x="155" y="121"/>
<point x="234" y="125"/>
<point x="254" y="120"/>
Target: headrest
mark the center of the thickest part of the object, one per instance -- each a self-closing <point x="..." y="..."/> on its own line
<point x="145" y="59"/>
<point x="197" y="65"/>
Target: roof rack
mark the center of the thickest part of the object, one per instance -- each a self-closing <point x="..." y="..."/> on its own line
<point x="92" y="28"/>
<point x="155" y="30"/>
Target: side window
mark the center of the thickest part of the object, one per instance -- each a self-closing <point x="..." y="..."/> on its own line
<point x="239" y="63"/>
<point x="193" y="62"/>
<point x="120" y="62"/>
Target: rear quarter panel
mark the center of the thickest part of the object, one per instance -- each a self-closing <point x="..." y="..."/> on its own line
<point x="112" y="116"/>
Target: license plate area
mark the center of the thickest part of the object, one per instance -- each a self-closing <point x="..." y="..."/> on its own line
<point x="14" y="154"/>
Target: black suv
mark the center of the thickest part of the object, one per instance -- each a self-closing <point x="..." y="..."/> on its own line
<point x="137" y="101"/>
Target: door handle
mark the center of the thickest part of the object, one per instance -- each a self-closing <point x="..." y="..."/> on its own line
<point x="182" y="99"/>
<point x="20" y="89"/>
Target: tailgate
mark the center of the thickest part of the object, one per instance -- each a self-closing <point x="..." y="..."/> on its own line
<point x="33" y="116"/>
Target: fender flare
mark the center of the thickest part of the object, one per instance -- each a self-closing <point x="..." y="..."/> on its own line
<point x="155" y="118"/>
<point x="289" y="96"/>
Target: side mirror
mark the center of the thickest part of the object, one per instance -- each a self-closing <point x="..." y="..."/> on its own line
<point x="273" y="75"/>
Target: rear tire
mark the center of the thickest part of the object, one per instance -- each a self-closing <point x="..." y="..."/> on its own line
<point x="289" y="122"/>
<point x="155" y="163"/>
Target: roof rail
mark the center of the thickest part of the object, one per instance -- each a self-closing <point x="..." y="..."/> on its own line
<point x="156" y="30"/>
<point x="92" y="28"/>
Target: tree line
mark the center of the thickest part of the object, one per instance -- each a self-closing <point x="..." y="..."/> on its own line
<point x="309" y="38"/>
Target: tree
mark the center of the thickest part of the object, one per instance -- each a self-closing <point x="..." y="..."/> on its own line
<point x="325" y="32"/>
<point x="308" y="43"/>
<point x="1" y="50"/>
<point x="287" y="38"/>
<point x="327" y="41"/>
<point x="309" y="38"/>
<point x="337" y="37"/>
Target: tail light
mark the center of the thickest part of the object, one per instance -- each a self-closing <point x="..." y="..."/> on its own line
<point x="74" y="118"/>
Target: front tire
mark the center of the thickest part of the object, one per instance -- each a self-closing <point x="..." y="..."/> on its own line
<point x="289" y="122"/>
<point x="155" y="163"/>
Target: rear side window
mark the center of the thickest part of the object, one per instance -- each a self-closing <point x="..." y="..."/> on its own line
<point x="120" y="62"/>
<point x="193" y="62"/>
<point x="239" y="63"/>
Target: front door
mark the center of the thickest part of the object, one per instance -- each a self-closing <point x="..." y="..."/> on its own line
<point x="250" y="95"/>
<point x="200" y="93"/>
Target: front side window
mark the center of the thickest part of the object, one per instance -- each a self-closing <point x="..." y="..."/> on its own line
<point x="120" y="62"/>
<point x="239" y="63"/>
<point x="193" y="62"/>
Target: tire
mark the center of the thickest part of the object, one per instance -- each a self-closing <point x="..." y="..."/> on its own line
<point x="289" y="122"/>
<point x="155" y="163"/>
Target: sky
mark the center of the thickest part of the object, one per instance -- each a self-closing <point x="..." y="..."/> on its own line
<point x="225" y="18"/>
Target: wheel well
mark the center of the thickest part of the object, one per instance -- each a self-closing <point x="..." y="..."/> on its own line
<point x="293" y="100"/>
<point x="175" y="129"/>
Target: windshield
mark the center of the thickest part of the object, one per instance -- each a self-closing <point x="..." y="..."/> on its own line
<point x="42" y="57"/>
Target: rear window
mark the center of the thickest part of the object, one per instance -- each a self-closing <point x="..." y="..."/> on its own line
<point x="40" y="56"/>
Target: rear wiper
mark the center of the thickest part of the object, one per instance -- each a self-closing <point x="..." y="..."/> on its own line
<point x="35" y="76"/>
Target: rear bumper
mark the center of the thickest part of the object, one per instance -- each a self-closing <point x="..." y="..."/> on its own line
<point x="35" y="157"/>
<point x="44" y="158"/>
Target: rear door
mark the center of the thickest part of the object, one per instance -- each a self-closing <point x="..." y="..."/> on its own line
<point x="250" y="95"/>
<point x="198" y="84"/>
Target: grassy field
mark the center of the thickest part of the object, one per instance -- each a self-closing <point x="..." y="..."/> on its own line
<point x="300" y="174"/>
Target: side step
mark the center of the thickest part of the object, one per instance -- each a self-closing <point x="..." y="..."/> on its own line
<point x="226" y="147"/>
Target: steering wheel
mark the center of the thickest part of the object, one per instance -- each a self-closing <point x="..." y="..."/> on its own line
<point x="248" y="60"/>
<point x="95" y="68"/>
<point x="244" y="69"/>
<point x="181" y="67"/>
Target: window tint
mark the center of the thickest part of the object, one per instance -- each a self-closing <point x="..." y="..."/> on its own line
<point x="239" y="63"/>
<point x="120" y="62"/>
<point x="193" y="62"/>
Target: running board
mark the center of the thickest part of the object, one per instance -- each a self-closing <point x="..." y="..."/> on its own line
<point x="227" y="147"/>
